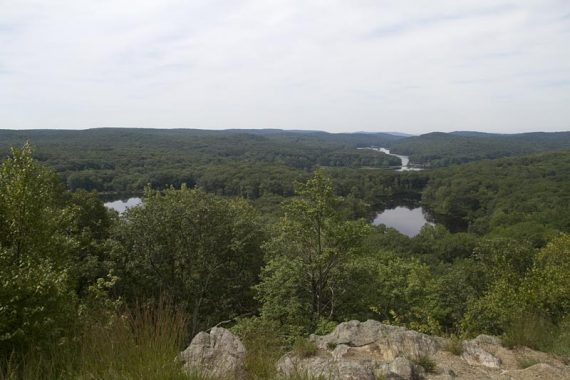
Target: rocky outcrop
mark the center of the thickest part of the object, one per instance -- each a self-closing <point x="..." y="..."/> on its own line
<point x="217" y="354"/>
<point x="371" y="350"/>
<point x="477" y="352"/>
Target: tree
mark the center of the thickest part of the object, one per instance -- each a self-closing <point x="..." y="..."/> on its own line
<point x="200" y="250"/>
<point x="306" y="255"/>
<point x="37" y="302"/>
<point x="91" y="229"/>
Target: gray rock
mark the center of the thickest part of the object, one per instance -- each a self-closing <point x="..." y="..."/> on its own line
<point x="476" y="355"/>
<point x="362" y="350"/>
<point x="217" y="354"/>
<point x="447" y="373"/>
<point x="384" y="342"/>
<point x="487" y="339"/>
<point x="401" y="369"/>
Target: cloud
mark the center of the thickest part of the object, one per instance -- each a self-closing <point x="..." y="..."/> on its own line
<point x="336" y="65"/>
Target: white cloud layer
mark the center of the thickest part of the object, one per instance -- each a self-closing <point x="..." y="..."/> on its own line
<point x="337" y="65"/>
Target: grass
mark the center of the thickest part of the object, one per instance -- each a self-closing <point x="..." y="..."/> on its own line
<point x="143" y="343"/>
<point x="304" y="348"/>
<point x="454" y="345"/>
<point x="140" y="343"/>
<point x="527" y="362"/>
<point x="531" y="331"/>
<point x="427" y="363"/>
<point x="264" y="343"/>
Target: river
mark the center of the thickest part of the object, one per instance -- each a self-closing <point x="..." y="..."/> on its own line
<point x="404" y="159"/>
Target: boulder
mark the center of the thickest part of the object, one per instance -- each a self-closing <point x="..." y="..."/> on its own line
<point x="379" y="341"/>
<point x="371" y="350"/>
<point x="401" y="369"/>
<point x="475" y="352"/>
<point x="363" y="350"/>
<point x="217" y="354"/>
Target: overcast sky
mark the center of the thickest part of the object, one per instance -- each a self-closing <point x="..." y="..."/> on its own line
<point x="336" y="65"/>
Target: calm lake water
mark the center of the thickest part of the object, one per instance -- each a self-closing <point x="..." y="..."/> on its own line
<point x="405" y="220"/>
<point x="121" y="206"/>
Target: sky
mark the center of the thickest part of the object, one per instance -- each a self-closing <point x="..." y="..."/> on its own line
<point x="335" y="65"/>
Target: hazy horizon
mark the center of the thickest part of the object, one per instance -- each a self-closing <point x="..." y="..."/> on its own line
<point x="403" y="134"/>
<point x="335" y="66"/>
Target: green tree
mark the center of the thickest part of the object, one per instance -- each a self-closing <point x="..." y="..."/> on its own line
<point x="201" y="250"/>
<point x="308" y="251"/>
<point x="37" y="302"/>
<point x="92" y="230"/>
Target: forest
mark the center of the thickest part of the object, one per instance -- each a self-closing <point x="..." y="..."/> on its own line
<point x="443" y="149"/>
<point x="269" y="233"/>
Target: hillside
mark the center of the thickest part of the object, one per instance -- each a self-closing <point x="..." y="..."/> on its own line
<point x="442" y="149"/>
<point x="125" y="160"/>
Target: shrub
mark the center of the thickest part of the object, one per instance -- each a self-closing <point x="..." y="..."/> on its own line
<point x="454" y="345"/>
<point x="304" y="348"/>
<point x="530" y="330"/>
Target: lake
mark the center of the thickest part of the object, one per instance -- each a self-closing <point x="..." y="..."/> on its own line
<point x="408" y="221"/>
<point x="122" y="205"/>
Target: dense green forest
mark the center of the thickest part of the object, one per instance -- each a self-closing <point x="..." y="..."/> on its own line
<point x="126" y="160"/>
<point x="266" y="234"/>
<point x="444" y="149"/>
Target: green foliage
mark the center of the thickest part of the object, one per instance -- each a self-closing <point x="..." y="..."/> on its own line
<point x="527" y="301"/>
<point x="304" y="348"/>
<point x="81" y="288"/>
<point x="265" y="343"/>
<point x="443" y="149"/>
<point x="306" y="256"/>
<point x="138" y="343"/>
<point x="394" y="290"/>
<point x="199" y="249"/>
<point x="91" y="229"/>
<point x="247" y="163"/>
<point x="37" y="304"/>
<point x="524" y="198"/>
<point x="454" y="345"/>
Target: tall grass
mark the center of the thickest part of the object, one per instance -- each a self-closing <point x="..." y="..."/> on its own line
<point x="538" y="332"/>
<point x="138" y="343"/>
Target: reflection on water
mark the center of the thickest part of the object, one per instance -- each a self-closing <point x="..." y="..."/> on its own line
<point x="405" y="220"/>
<point x="121" y="206"/>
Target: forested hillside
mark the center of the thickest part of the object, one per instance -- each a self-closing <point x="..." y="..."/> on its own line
<point x="126" y="160"/>
<point x="444" y="149"/>
<point x="524" y="197"/>
<point x="88" y="293"/>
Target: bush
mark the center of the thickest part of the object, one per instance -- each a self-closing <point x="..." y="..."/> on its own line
<point x="530" y="330"/>
<point x="304" y="348"/>
<point x="454" y="345"/>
